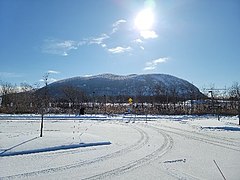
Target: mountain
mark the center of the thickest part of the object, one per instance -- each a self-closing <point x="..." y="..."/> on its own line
<point x="129" y="85"/>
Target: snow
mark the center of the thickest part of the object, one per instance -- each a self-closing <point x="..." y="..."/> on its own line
<point x="129" y="83"/>
<point x="119" y="147"/>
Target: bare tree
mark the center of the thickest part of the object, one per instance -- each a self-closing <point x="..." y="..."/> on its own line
<point x="235" y="94"/>
<point x="160" y="92"/>
<point x="24" y="98"/>
<point x="44" y="101"/>
<point x="74" y="95"/>
<point x="7" y="91"/>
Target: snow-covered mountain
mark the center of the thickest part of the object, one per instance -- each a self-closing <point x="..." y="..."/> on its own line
<point x="129" y="85"/>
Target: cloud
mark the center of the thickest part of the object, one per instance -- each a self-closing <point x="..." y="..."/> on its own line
<point x="81" y="43"/>
<point x="119" y="49"/>
<point x="103" y="45"/>
<point x="148" y="34"/>
<point x="9" y="75"/>
<point x="127" y="36"/>
<point x="59" y="47"/>
<point x="50" y="80"/>
<point x="117" y="24"/>
<point x="99" y="40"/>
<point x="48" y="77"/>
<point x="88" y="75"/>
<point x="138" y="41"/>
<point x="53" y="72"/>
<point x="151" y="65"/>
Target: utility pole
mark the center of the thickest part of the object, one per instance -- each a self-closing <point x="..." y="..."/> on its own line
<point x="105" y="99"/>
<point x="93" y="102"/>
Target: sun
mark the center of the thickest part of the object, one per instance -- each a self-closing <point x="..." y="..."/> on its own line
<point x="144" y="20"/>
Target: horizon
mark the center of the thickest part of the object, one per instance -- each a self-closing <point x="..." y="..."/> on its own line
<point x="197" y="41"/>
<point x="41" y="83"/>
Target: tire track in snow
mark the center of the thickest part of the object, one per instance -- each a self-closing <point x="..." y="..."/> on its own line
<point x="199" y="137"/>
<point x="144" y="138"/>
<point x="176" y="174"/>
<point x="161" y="151"/>
<point x="227" y="141"/>
<point x="209" y="139"/>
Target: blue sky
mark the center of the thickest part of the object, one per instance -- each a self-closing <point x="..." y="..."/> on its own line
<point x="197" y="40"/>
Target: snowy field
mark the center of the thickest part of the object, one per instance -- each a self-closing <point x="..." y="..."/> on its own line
<point x="120" y="147"/>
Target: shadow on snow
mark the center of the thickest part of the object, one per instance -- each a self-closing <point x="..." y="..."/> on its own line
<point x="47" y="149"/>
<point x="226" y="128"/>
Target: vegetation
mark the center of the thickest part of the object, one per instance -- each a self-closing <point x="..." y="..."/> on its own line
<point x="27" y="99"/>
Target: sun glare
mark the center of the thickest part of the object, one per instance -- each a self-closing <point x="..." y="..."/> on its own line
<point x="144" y="20"/>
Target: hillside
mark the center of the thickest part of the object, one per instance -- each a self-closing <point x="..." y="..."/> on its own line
<point x="130" y="85"/>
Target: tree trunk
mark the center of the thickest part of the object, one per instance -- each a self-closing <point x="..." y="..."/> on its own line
<point x="41" y="128"/>
<point x="238" y="112"/>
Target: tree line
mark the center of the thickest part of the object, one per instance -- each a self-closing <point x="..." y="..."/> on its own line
<point x="29" y="99"/>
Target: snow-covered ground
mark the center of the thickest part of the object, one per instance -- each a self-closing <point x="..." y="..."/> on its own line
<point x="100" y="147"/>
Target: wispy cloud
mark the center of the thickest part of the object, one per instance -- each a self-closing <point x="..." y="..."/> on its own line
<point x="9" y="75"/>
<point x="50" y="80"/>
<point x="103" y="45"/>
<point x="88" y="75"/>
<point x="148" y="34"/>
<point x="99" y="40"/>
<point x="49" y="75"/>
<point x="119" y="49"/>
<point x="117" y="24"/>
<point x="59" y="47"/>
<point x="53" y="72"/>
<point x="138" y="41"/>
<point x="151" y="65"/>
<point x="81" y="43"/>
<point x="119" y="34"/>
